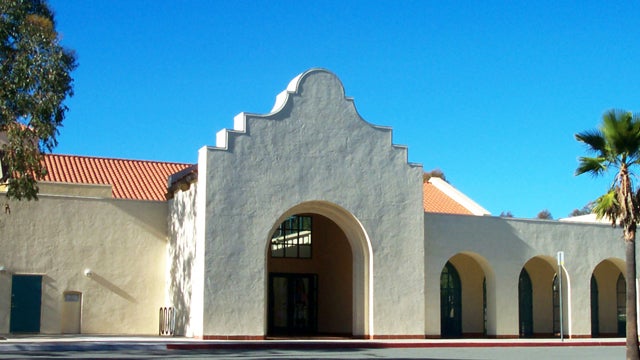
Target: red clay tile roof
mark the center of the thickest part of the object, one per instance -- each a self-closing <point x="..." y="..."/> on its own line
<point x="436" y="201"/>
<point x="147" y="180"/>
<point x="129" y="179"/>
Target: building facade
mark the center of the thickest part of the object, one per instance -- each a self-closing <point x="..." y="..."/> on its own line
<point x="304" y="221"/>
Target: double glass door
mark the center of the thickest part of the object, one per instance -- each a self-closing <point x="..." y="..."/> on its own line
<point x="293" y="304"/>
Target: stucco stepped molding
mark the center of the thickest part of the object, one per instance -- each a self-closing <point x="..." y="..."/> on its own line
<point x="284" y="99"/>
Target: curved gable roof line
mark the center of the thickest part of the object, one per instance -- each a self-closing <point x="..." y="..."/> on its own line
<point x="284" y="98"/>
<point x="294" y="86"/>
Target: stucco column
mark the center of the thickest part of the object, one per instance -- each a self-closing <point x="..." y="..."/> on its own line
<point x="507" y="318"/>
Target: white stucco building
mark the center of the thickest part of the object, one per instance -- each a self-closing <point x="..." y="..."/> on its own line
<point x="304" y="221"/>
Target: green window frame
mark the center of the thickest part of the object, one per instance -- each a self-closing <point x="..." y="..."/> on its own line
<point x="292" y="238"/>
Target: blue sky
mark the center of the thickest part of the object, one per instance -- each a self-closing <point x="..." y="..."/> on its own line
<point x="490" y="92"/>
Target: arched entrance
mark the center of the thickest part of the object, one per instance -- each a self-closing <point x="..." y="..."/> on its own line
<point x="608" y="297"/>
<point x="467" y="288"/>
<point x="318" y="273"/>
<point x="539" y="299"/>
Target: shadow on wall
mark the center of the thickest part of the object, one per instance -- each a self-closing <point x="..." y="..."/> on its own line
<point x="485" y="243"/>
<point x="150" y="215"/>
<point x="182" y="242"/>
<point x="50" y="303"/>
<point x="4" y="213"/>
<point x="111" y="286"/>
<point x="5" y="299"/>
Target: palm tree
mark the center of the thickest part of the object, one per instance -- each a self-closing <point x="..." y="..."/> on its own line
<point x="616" y="145"/>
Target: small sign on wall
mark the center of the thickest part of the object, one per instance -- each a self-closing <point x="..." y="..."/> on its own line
<point x="71" y="297"/>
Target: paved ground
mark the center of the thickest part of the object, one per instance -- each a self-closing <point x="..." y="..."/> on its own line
<point x="105" y="347"/>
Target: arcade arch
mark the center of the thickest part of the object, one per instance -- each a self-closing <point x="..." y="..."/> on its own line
<point x="608" y="296"/>
<point x="467" y="297"/>
<point x="318" y="277"/>
<point x="539" y="299"/>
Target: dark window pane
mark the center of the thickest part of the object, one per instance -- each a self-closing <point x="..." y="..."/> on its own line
<point x="292" y="239"/>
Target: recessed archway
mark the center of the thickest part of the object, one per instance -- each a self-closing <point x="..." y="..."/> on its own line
<point x="608" y="296"/>
<point x="467" y="300"/>
<point x="336" y="271"/>
<point x="543" y="304"/>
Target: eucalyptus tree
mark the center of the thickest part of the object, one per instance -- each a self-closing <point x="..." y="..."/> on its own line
<point x="34" y="82"/>
<point x="616" y="148"/>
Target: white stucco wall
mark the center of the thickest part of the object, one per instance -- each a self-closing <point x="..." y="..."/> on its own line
<point x="314" y="147"/>
<point x="183" y="258"/>
<point x="312" y="154"/>
<point x="122" y="242"/>
<point x="505" y="245"/>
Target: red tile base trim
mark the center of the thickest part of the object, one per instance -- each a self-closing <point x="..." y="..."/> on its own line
<point x="397" y="337"/>
<point x="355" y="337"/>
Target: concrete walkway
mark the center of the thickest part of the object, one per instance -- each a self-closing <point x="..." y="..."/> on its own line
<point x="112" y="343"/>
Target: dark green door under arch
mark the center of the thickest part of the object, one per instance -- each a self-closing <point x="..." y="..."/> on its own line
<point x="556" y="305"/>
<point x="450" y="303"/>
<point x="525" y="304"/>
<point x="26" y="299"/>
<point x="595" y="311"/>
<point x="621" y="299"/>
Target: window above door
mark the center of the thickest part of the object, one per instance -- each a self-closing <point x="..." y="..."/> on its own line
<point x="292" y="239"/>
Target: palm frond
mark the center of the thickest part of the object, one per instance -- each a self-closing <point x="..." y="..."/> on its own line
<point x="617" y="145"/>
<point x="621" y="132"/>
<point x="594" y="139"/>
<point x="607" y="207"/>
<point x="595" y="166"/>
